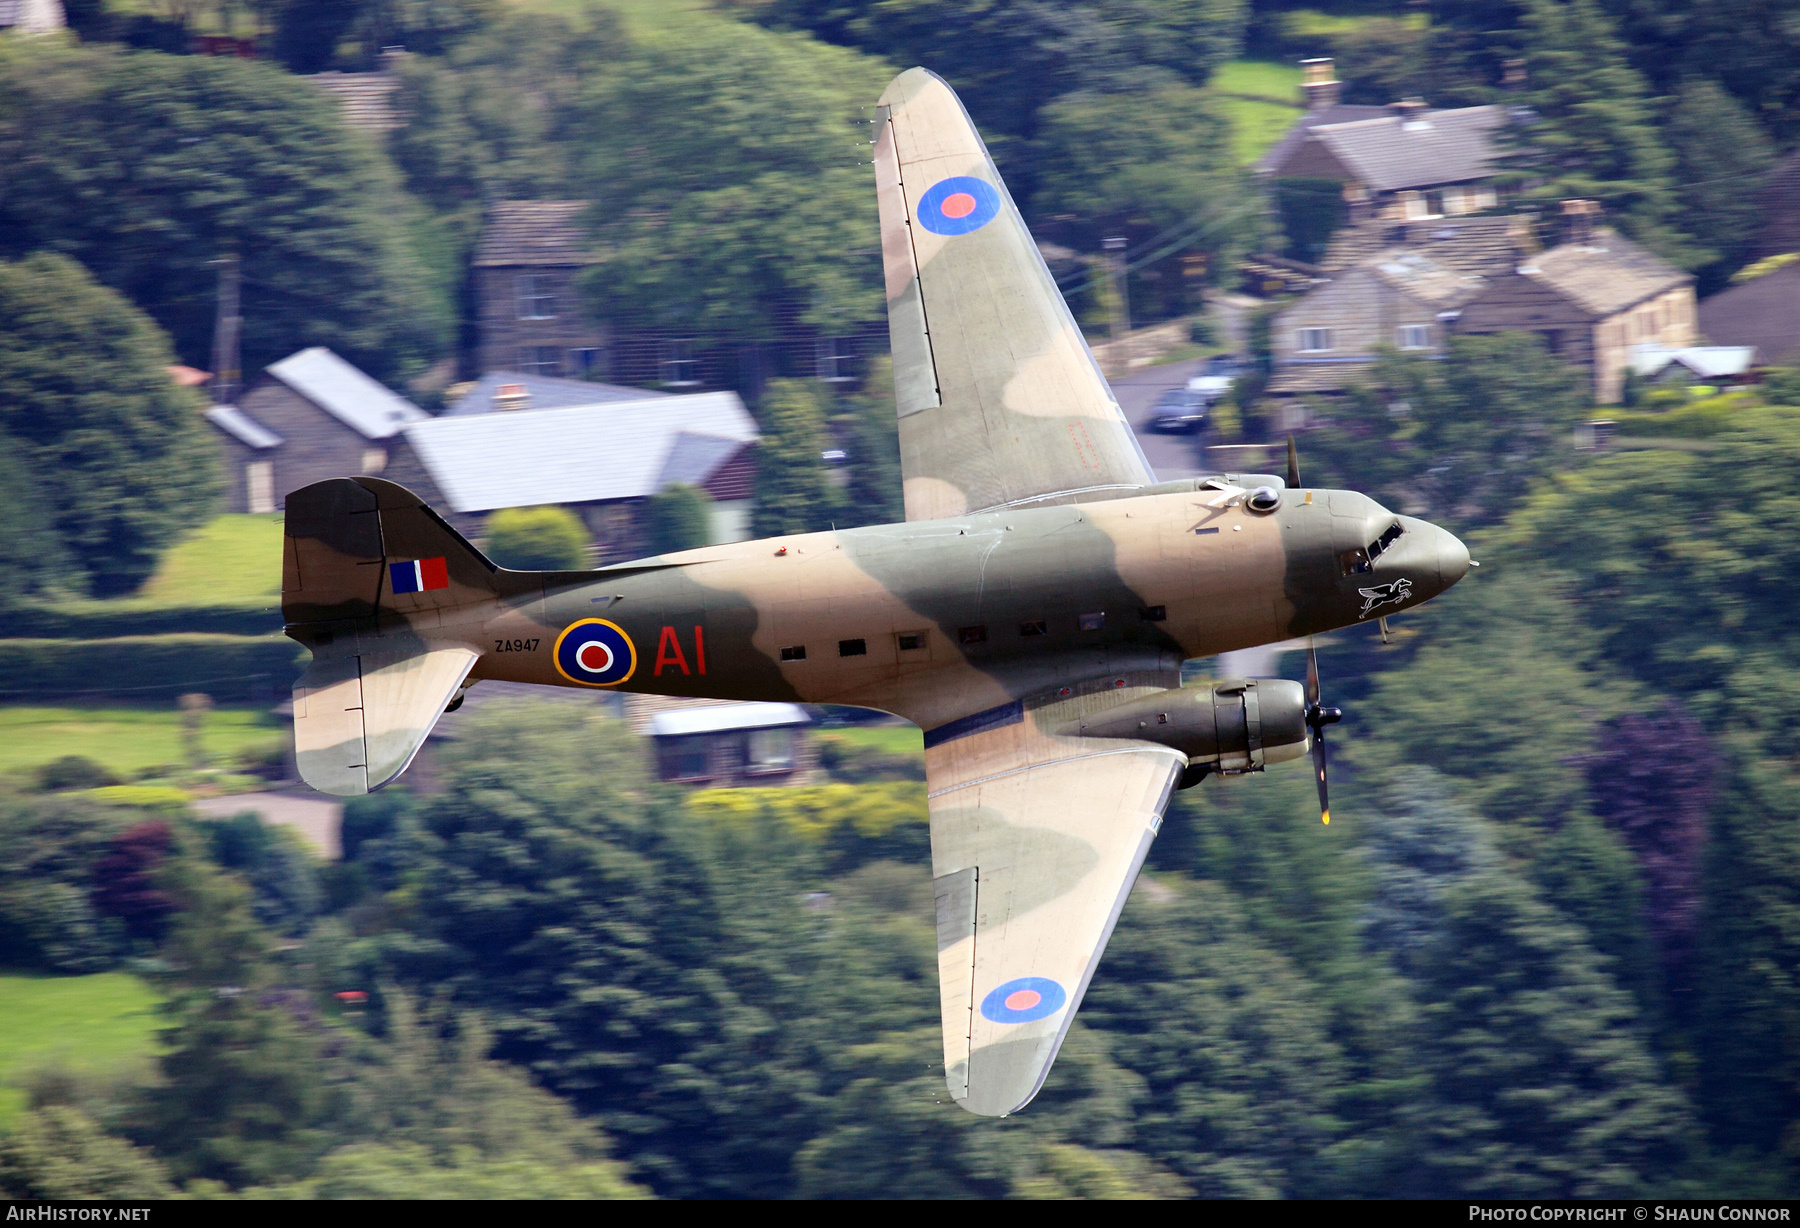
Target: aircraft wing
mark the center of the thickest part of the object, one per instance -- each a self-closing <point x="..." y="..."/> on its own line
<point x="1035" y="844"/>
<point x="999" y="399"/>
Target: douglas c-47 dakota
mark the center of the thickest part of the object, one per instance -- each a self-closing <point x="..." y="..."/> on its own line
<point x="1031" y="615"/>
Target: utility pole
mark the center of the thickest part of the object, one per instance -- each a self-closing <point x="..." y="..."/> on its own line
<point x="1121" y="321"/>
<point x="226" y="323"/>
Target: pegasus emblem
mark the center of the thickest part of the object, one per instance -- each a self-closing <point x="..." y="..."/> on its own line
<point x="1382" y="594"/>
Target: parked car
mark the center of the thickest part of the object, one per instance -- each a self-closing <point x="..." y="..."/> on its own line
<point x="1227" y="365"/>
<point x="1180" y="411"/>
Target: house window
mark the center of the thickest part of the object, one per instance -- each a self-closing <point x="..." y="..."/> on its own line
<point x="833" y="356"/>
<point x="540" y="360"/>
<point x="537" y="300"/>
<point x="259" y="487"/>
<point x="1553" y="339"/>
<point x="684" y="759"/>
<point x="853" y="648"/>
<point x="769" y="750"/>
<point x="1314" y="340"/>
<point x="1414" y="336"/>
<point x="584" y="362"/>
<point x="678" y="366"/>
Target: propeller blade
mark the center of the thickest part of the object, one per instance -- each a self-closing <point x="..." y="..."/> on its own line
<point x="1293" y="473"/>
<point x="1318" y="756"/>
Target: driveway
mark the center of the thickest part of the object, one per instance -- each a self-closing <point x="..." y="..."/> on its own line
<point x="1171" y="456"/>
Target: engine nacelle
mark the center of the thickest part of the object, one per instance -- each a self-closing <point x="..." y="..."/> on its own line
<point x="1232" y="725"/>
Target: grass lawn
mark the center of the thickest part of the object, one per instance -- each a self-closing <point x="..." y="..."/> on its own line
<point x="1255" y="126"/>
<point x="894" y="739"/>
<point x="127" y="740"/>
<point x="1267" y="79"/>
<point x="95" y="1024"/>
<point x="229" y="559"/>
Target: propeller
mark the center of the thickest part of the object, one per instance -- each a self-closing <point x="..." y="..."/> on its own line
<point x="1293" y="473"/>
<point x="1317" y="717"/>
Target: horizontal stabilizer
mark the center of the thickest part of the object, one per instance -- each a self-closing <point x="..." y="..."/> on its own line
<point x="361" y="715"/>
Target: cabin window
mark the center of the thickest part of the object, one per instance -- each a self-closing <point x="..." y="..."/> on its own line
<point x="1314" y="340"/>
<point x="1414" y="336"/>
<point x="853" y="648"/>
<point x="1092" y="622"/>
<point x="910" y="641"/>
<point x="971" y="635"/>
<point x="1154" y="613"/>
<point x="769" y="750"/>
<point x="794" y="652"/>
<point x="1036" y="626"/>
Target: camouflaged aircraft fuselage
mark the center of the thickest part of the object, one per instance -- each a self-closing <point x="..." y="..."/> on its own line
<point x="939" y="620"/>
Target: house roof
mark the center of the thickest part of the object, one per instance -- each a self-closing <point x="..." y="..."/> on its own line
<point x="345" y="393"/>
<point x="1290" y="143"/>
<point x="32" y="16"/>
<point x="1605" y="275"/>
<point x="1390" y="154"/>
<point x="721" y="718"/>
<point x="366" y="99"/>
<point x="242" y="427"/>
<point x="1473" y="244"/>
<point x="1760" y="312"/>
<point x="542" y="392"/>
<point x="583" y="454"/>
<point x="1432" y="282"/>
<point x="535" y="232"/>
<point x="1705" y="361"/>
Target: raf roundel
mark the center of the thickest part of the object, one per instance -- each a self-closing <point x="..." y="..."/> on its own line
<point x="1023" y="1000"/>
<point x="958" y="205"/>
<point x="594" y="652"/>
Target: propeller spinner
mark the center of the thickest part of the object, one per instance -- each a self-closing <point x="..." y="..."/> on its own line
<point x="1317" y="717"/>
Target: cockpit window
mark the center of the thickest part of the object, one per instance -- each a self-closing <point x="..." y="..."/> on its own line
<point x="1388" y="538"/>
<point x="1354" y="562"/>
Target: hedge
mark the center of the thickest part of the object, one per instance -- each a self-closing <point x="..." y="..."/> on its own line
<point x="98" y="620"/>
<point x="227" y="667"/>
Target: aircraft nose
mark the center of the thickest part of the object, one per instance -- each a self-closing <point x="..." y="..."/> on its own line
<point x="1437" y="551"/>
<point x="1452" y="557"/>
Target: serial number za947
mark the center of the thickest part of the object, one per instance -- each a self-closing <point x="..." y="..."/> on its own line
<point x="515" y="645"/>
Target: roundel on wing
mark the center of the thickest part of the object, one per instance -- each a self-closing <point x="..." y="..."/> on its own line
<point x="958" y="205"/>
<point x="594" y="652"/>
<point x="1024" y="999"/>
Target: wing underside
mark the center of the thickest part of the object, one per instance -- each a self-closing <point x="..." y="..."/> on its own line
<point x="999" y="399"/>
<point x="1035" y="844"/>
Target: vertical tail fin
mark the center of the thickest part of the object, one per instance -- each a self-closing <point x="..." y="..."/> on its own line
<point x="367" y="569"/>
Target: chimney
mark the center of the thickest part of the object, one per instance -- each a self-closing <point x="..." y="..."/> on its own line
<point x="511" y="396"/>
<point x="1319" y="86"/>
<point x="1356" y="202"/>
<point x="1409" y="110"/>
<point x="1521" y="239"/>
<point x="1578" y="221"/>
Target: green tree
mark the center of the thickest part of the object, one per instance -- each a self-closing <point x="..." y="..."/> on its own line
<point x="31" y="553"/>
<point x="124" y="463"/>
<point x="537" y="539"/>
<point x="163" y="164"/>
<point x="1541" y="1084"/>
<point x="793" y="492"/>
<point x="677" y="517"/>
<point x="730" y="179"/>
<point x="874" y="495"/>
<point x="1721" y="158"/>
<point x="48" y="851"/>
<point x="1750" y="47"/>
<point x="59" y="1152"/>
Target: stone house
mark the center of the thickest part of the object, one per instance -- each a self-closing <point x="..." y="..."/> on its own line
<point x="1592" y="298"/>
<point x="528" y="310"/>
<point x="312" y="416"/>
<point x="1399" y="299"/>
<point x="601" y="461"/>
<point x="1404" y="162"/>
